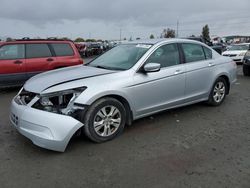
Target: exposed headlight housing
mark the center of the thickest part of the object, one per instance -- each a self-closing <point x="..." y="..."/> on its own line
<point x="247" y="54"/>
<point x="61" y="102"/>
<point x="242" y="54"/>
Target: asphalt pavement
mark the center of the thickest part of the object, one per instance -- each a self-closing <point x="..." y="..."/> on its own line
<point x="197" y="146"/>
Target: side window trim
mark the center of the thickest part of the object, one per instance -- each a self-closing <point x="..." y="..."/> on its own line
<point x="162" y="46"/>
<point x="181" y="53"/>
<point x="178" y="46"/>
<point x="204" y="52"/>
<point x="25" y="51"/>
<point x="26" y="56"/>
<point x="193" y="44"/>
<point x="207" y="58"/>
<point x="52" y="51"/>
<point x="15" y="45"/>
<point x="69" y="45"/>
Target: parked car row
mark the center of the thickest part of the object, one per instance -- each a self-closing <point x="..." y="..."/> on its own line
<point x="219" y="47"/>
<point x="246" y="63"/>
<point x="240" y="53"/>
<point x="87" y="49"/>
<point x="22" y="59"/>
<point x="237" y="52"/>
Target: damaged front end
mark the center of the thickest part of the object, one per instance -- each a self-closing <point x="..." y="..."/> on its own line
<point x="61" y="102"/>
<point x="48" y="120"/>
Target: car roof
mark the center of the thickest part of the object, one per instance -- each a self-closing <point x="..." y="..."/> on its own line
<point x="240" y="44"/>
<point x="156" y="41"/>
<point x="35" y="41"/>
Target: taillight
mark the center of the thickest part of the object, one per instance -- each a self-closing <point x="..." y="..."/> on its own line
<point x="81" y="61"/>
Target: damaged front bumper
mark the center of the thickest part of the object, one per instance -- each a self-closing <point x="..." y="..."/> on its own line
<point x="45" y="129"/>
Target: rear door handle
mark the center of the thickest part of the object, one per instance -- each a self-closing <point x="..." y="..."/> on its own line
<point x="17" y="62"/>
<point x="50" y="59"/>
<point x="178" y="72"/>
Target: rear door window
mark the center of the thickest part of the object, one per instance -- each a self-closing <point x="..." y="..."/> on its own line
<point x="193" y="52"/>
<point x="208" y="53"/>
<point x="63" y="49"/>
<point x="13" y="51"/>
<point x="37" y="51"/>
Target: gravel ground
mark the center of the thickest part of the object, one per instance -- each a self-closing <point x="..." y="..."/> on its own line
<point x="193" y="146"/>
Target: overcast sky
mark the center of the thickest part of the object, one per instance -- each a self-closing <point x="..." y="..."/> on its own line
<point x="137" y="18"/>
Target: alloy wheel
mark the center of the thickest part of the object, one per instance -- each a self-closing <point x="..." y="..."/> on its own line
<point x="107" y="121"/>
<point x="219" y="92"/>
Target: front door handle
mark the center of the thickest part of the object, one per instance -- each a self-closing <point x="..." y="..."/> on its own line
<point x="210" y="64"/>
<point x="177" y="72"/>
<point x="17" y="62"/>
<point x="50" y="59"/>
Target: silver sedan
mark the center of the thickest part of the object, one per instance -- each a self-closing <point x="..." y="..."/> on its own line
<point x="128" y="82"/>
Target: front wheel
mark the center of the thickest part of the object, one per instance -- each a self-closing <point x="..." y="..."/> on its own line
<point x="218" y="92"/>
<point x="104" y="120"/>
<point x="246" y="70"/>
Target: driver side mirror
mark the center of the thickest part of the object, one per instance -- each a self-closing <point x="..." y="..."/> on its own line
<point x="152" y="67"/>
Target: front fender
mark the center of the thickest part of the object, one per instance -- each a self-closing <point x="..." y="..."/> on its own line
<point x="88" y="98"/>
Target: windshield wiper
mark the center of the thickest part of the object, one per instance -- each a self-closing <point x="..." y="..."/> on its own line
<point x="102" y="67"/>
<point x="108" y="68"/>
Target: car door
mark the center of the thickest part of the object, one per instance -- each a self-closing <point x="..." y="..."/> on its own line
<point x="12" y="61"/>
<point x="199" y="67"/>
<point x="38" y="58"/>
<point x="65" y="55"/>
<point x="155" y="91"/>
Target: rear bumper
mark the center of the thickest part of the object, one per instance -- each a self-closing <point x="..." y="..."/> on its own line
<point x="44" y="129"/>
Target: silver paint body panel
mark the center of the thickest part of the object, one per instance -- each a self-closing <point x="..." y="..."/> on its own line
<point x="146" y="93"/>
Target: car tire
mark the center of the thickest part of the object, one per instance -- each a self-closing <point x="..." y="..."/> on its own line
<point x="104" y="120"/>
<point x="218" y="92"/>
<point x="246" y="70"/>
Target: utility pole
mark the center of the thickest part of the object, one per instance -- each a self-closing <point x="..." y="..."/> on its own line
<point x="120" y="34"/>
<point x="177" y="30"/>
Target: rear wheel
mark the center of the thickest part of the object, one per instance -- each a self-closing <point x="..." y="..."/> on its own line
<point x="218" y="92"/>
<point x="104" y="120"/>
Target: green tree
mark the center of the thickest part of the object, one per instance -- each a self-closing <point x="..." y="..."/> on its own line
<point x="64" y="38"/>
<point x="79" y="39"/>
<point x="152" y="36"/>
<point x="205" y="33"/>
<point x="90" y="40"/>
<point x="9" y="39"/>
<point x="168" y="33"/>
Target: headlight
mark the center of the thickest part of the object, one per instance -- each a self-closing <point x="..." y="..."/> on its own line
<point x="61" y="102"/>
<point x="247" y="54"/>
<point x="242" y="54"/>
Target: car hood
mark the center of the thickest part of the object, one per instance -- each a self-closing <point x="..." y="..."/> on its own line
<point x="236" y="52"/>
<point x="43" y="81"/>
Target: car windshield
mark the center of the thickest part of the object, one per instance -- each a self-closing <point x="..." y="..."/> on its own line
<point x="121" y="57"/>
<point x="239" y="47"/>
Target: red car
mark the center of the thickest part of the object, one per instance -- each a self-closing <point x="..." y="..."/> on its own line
<point x="22" y="59"/>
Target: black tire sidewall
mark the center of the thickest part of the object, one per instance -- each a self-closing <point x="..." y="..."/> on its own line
<point x="91" y="113"/>
<point x="246" y="70"/>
